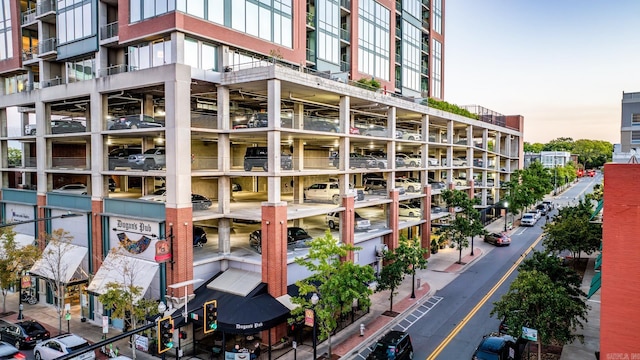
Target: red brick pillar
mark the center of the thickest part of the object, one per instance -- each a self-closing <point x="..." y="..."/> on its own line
<point x="274" y="256"/>
<point x="41" y="236"/>
<point x="425" y="238"/>
<point x="347" y="226"/>
<point x="180" y="221"/>
<point x="96" y="234"/>
<point x="391" y="240"/>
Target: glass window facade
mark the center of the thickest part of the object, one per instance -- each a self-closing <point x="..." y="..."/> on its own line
<point x="436" y="76"/>
<point x="80" y="70"/>
<point x="270" y="20"/>
<point x="16" y="83"/>
<point x="373" y="44"/>
<point x="144" y="56"/>
<point x="74" y="20"/>
<point x="200" y="55"/>
<point x="411" y="56"/>
<point x="437" y="16"/>
<point x="413" y="8"/>
<point x="6" y="35"/>
<point x="328" y="30"/>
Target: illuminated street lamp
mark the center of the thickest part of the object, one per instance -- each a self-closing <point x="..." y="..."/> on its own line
<point x="314" y="302"/>
<point x="506" y="214"/>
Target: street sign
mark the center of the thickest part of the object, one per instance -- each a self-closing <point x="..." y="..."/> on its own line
<point x="529" y="334"/>
<point x="105" y="324"/>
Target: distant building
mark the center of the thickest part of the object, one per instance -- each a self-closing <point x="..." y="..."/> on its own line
<point x="630" y="122"/>
<point x="550" y="159"/>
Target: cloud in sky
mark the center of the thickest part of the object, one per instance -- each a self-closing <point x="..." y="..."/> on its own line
<point x="563" y="65"/>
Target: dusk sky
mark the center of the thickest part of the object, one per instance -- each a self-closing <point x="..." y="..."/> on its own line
<point x="562" y="64"/>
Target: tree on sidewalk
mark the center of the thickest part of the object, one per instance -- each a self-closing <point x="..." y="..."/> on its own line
<point x="14" y="260"/>
<point x="337" y="284"/>
<point x="124" y="297"/>
<point x="466" y="222"/>
<point x="391" y="275"/>
<point x="572" y="230"/>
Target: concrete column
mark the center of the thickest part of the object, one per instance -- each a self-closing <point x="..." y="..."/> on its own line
<point x="224" y="152"/>
<point x="178" y="138"/>
<point x="298" y="116"/>
<point x="224" y="236"/>
<point x="391" y="147"/>
<point x="97" y="149"/>
<point x="298" y="154"/>
<point x="344" y="142"/>
<point x="147" y="105"/>
<point x="344" y="116"/>
<point x="177" y="47"/>
<point x="273" y="142"/>
<point x="43" y="124"/>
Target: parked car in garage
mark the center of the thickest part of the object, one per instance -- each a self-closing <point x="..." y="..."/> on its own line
<point x="409" y="210"/>
<point x="409" y="184"/>
<point x="497" y="239"/>
<point x="199" y="236"/>
<point x="296" y="238"/>
<point x="120" y="157"/>
<point x="359" y="224"/>
<point x="329" y="192"/>
<point x="78" y="189"/>
<point x="138" y="121"/>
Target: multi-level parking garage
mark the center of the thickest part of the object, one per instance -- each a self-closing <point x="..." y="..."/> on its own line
<point x="259" y="147"/>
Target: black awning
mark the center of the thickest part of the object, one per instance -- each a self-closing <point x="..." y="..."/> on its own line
<point x="240" y="314"/>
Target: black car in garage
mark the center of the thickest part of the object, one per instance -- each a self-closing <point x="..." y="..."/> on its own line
<point x="296" y="238"/>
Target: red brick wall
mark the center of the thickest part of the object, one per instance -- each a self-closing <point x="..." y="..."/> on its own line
<point x="620" y="300"/>
<point x="182" y="248"/>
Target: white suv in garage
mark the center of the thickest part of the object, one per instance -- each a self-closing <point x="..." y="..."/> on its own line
<point x="329" y="191"/>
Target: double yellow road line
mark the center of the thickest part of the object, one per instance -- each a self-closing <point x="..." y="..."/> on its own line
<point x="481" y="303"/>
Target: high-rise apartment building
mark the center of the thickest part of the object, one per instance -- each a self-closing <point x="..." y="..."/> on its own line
<point x="241" y="123"/>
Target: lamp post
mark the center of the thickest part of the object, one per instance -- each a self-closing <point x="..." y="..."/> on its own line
<point x="314" y="302"/>
<point x="506" y="214"/>
<point x="413" y="282"/>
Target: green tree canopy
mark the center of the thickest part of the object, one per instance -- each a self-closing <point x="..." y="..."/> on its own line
<point x="534" y="300"/>
<point x="465" y="223"/>
<point x="337" y="283"/>
<point x="571" y="230"/>
<point x="533" y="148"/>
<point x="14" y="260"/>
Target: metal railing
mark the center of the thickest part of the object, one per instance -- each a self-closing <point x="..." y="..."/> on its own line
<point x="345" y="4"/>
<point x="48" y="45"/>
<point x="29" y="16"/>
<point x="45" y="6"/>
<point x="425" y="47"/>
<point x="425" y="3"/>
<point x="116" y="69"/>
<point x="425" y="23"/>
<point x="345" y="66"/>
<point x="311" y="55"/>
<point x="344" y="35"/>
<point x="108" y="31"/>
<point x="52" y="82"/>
<point x="29" y="54"/>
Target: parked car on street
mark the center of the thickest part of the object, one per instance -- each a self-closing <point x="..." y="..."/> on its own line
<point x="394" y="345"/>
<point x="497" y="347"/>
<point x="138" y="121"/>
<point x="23" y="334"/>
<point x="528" y="219"/>
<point x="296" y="238"/>
<point x="63" y="345"/>
<point x="10" y="352"/>
<point x="501" y="239"/>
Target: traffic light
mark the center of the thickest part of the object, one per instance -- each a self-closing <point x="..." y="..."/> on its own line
<point x="165" y="334"/>
<point x="210" y="316"/>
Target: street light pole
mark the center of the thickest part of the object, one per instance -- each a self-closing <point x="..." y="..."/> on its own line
<point x="506" y="215"/>
<point x="314" y="302"/>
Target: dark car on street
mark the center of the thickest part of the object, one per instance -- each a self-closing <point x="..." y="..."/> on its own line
<point x="394" y="345"/>
<point x="135" y="122"/>
<point x="10" y="352"/>
<point x="23" y="334"/>
<point x="498" y="239"/>
<point x="497" y="347"/>
<point x="296" y="238"/>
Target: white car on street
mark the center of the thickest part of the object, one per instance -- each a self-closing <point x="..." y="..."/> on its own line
<point x="63" y="345"/>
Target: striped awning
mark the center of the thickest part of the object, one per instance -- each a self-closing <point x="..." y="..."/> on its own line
<point x="596" y="282"/>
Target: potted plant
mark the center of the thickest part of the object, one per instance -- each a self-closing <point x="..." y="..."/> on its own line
<point x="434" y="246"/>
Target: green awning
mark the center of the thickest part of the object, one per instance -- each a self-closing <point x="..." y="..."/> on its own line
<point x="596" y="282"/>
<point x="597" y="210"/>
<point x="598" y="262"/>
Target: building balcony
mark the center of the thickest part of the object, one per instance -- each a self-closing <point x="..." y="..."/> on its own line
<point x="30" y="55"/>
<point x="425" y="3"/>
<point x="52" y="82"/>
<point x="109" y="34"/>
<point x="398" y="58"/>
<point x="345" y="35"/>
<point x="425" y="24"/>
<point x="48" y="49"/>
<point x="345" y="66"/>
<point x="115" y="69"/>
<point x="46" y="11"/>
<point x="311" y="56"/>
<point x="311" y="20"/>
<point x="425" y="47"/>
<point x="424" y="69"/>
<point x="346" y="4"/>
<point x="29" y="19"/>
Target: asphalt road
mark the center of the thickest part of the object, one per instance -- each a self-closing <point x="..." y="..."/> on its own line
<point x="461" y="318"/>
